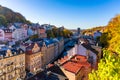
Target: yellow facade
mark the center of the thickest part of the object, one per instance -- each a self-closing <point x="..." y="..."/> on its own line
<point x="33" y="59"/>
<point x="12" y="67"/>
<point x="33" y="62"/>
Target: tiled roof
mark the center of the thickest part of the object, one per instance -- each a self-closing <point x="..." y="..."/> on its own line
<point x="76" y="63"/>
<point x="29" y="47"/>
<point x="72" y="67"/>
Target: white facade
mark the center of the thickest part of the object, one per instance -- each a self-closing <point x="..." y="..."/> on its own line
<point x="72" y="51"/>
<point x="19" y="34"/>
<point x="2" y="35"/>
<point x="81" y="50"/>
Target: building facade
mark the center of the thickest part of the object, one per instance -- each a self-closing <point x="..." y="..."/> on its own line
<point x="33" y="58"/>
<point x="48" y="53"/>
<point x="2" y="35"/>
<point x="12" y="65"/>
<point x="8" y="34"/>
<point x="42" y="32"/>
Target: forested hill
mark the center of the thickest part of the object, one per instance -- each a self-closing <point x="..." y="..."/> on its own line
<point x="92" y="30"/>
<point x="109" y="66"/>
<point x="9" y="16"/>
<point x="111" y="36"/>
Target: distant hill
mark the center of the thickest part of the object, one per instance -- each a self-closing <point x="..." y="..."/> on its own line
<point x="92" y="30"/>
<point x="9" y="16"/>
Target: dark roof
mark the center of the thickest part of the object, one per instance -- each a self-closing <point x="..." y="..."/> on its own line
<point x="56" y="69"/>
<point x="88" y="46"/>
<point x="3" y="51"/>
<point x="44" y="75"/>
<point x="7" y="30"/>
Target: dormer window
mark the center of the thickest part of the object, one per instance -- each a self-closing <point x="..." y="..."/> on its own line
<point x="21" y="51"/>
<point x="9" y="53"/>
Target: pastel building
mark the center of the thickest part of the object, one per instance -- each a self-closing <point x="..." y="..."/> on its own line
<point x="19" y="32"/>
<point x="5" y="34"/>
<point x="8" y="34"/>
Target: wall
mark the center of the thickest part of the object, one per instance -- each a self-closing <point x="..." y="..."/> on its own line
<point x="79" y="49"/>
<point x="13" y="67"/>
<point x="33" y="62"/>
<point x="2" y="35"/>
<point x="70" y="76"/>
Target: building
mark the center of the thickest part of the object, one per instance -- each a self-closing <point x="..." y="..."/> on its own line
<point x="84" y="48"/>
<point x="56" y="47"/>
<point x="61" y="45"/>
<point x="19" y="32"/>
<point x="48" y="52"/>
<point x="97" y="34"/>
<point x="75" y="67"/>
<point x="2" y="35"/>
<point x="78" y="31"/>
<point x="42" y="32"/>
<point x="33" y="57"/>
<point x="50" y="49"/>
<point x="12" y="64"/>
<point x="6" y="34"/>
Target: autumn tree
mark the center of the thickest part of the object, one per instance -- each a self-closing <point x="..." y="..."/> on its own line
<point x="108" y="68"/>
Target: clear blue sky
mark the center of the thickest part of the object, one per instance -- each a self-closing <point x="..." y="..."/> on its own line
<point x="69" y="13"/>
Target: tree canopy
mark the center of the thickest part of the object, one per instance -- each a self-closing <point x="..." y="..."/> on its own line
<point x="108" y="68"/>
<point x="56" y="32"/>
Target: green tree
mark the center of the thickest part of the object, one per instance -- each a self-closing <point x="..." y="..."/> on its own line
<point x="3" y="20"/>
<point x="55" y="32"/>
<point x="50" y="34"/>
<point x="108" y="68"/>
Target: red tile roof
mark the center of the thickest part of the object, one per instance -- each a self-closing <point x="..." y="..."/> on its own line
<point x="72" y="67"/>
<point x="76" y="63"/>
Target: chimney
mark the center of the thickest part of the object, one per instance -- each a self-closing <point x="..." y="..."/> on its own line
<point x="87" y="53"/>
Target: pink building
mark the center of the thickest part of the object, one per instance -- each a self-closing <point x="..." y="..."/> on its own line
<point x="7" y="34"/>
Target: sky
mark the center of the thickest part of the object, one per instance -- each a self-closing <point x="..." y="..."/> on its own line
<point x="68" y="13"/>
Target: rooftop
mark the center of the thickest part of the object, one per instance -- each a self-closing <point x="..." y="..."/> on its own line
<point x="47" y="75"/>
<point x="75" y="63"/>
<point x="6" y="52"/>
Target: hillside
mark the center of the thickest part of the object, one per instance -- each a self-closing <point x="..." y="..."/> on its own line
<point x="108" y="68"/>
<point x="92" y="30"/>
<point x="9" y="16"/>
